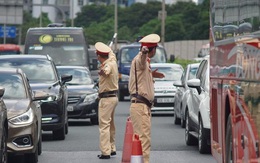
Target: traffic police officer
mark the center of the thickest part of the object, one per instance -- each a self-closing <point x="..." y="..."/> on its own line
<point x="141" y="89"/>
<point x="108" y="87"/>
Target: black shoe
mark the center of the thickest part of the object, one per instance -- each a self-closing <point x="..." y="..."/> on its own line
<point x="113" y="153"/>
<point x="103" y="156"/>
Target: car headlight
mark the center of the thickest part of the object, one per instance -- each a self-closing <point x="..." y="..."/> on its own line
<point x="124" y="77"/>
<point x="25" y="118"/>
<point x="91" y="98"/>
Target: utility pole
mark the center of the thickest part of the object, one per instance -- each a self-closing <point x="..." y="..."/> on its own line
<point x="163" y="23"/>
<point x="41" y="15"/>
<point x="115" y="26"/>
<point x="72" y="14"/>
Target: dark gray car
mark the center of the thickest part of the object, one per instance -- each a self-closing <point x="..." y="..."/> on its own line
<point x="42" y="74"/>
<point x="83" y="95"/>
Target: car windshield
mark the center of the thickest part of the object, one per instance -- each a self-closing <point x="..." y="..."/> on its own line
<point x="36" y="70"/>
<point x="192" y="73"/>
<point x="14" y="86"/>
<point x="170" y="73"/>
<point x="62" y="55"/>
<point x="79" y="76"/>
<point x="129" y="53"/>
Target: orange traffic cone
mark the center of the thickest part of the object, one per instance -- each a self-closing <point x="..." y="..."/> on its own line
<point x="137" y="154"/>
<point x="127" y="148"/>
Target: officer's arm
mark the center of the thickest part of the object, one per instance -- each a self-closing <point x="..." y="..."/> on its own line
<point x="106" y="70"/>
<point x="144" y="55"/>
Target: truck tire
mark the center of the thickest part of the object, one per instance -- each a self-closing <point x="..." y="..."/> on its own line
<point x="229" y="144"/>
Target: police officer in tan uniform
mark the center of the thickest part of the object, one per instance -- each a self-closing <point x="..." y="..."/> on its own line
<point x="108" y="87"/>
<point x="141" y="89"/>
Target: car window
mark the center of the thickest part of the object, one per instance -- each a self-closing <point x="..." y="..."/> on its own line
<point x="36" y="70"/>
<point x="192" y="73"/>
<point x="170" y="73"/>
<point x="14" y="86"/>
<point x="79" y="76"/>
<point x="61" y="55"/>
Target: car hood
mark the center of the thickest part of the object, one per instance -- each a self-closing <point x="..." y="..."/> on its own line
<point x="45" y="87"/>
<point x="16" y="107"/>
<point x="164" y="85"/>
<point x="81" y="89"/>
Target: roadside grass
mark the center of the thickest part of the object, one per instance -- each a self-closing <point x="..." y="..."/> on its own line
<point x="183" y="62"/>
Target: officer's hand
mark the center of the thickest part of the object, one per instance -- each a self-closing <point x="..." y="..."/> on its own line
<point x="157" y="74"/>
<point x="101" y="73"/>
<point x="144" y="50"/>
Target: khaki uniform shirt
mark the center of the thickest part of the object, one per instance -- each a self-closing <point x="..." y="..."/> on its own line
<point x="144" y="77"/>
<point x="109" y="81"/>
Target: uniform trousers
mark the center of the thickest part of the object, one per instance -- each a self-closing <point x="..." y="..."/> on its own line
<point x="141" y="119"/>
<point x="107" y="128"/>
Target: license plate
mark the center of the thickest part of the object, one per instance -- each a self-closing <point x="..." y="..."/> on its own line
<point x="165" y="100"/>
<point x="70" y="108"/>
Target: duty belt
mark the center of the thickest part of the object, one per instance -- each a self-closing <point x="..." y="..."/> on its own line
<point x="142" y="99"/>
<point x="107" y="94"/>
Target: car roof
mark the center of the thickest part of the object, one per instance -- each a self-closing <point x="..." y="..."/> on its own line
<point x="73" y="67"/>
<point x="11" y="70"/>
<point x="165" y="65"/>
<point x="193" y="65"/>
<point x="53" y="28"/>
<point x="25" y="56"/>
<point x="135" y="44"/>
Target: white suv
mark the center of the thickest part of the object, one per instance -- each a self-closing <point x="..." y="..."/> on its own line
<point x="197" y="111"/>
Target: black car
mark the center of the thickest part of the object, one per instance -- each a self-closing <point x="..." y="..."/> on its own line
<point x="83" y="94"/>
<point x="3" y="128"/>
<point x="42" y="74"/>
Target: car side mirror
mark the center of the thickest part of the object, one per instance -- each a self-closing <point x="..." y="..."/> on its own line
<point x="66" y="78"/>
<point x="178" y="84"/>
<point x="194" y="83"/>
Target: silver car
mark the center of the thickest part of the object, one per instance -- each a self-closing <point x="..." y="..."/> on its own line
<point x="164" y="90"/>
<point x="182" y="94"/>
<point x="3" y="128"/>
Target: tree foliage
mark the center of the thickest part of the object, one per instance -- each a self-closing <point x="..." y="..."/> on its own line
<point x="184" y="21"/>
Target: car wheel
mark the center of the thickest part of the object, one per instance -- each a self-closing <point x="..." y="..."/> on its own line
<point x="40" y="145"/>
<point x="67" y="128"/>
<point x="229" y="144"/>
<point x="94" y="120"/>
<point x="176" y="120"/>
<point x="182" y="123"/>
<point x="189" y="139"/>
<point x="59" y="134"/>
<point x="32" y="157"/>
<point x="202" y="139"/>
<point x="3" y="154"/>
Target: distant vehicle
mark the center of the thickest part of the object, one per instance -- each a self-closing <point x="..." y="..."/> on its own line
<point x="66" y="45"/>
<point x="24" y="114"/>
<point x="6" y="49"/>
<point x="82" y="93"/>
<point x="197" y="111"/>
<point x="3" y="128"/>
<point x="204" y="52"/>
<point x="182" y="93"/>
<point x="125" y="56"/>
<point x="42" y="74"/>
<point x="164" y="90"/>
